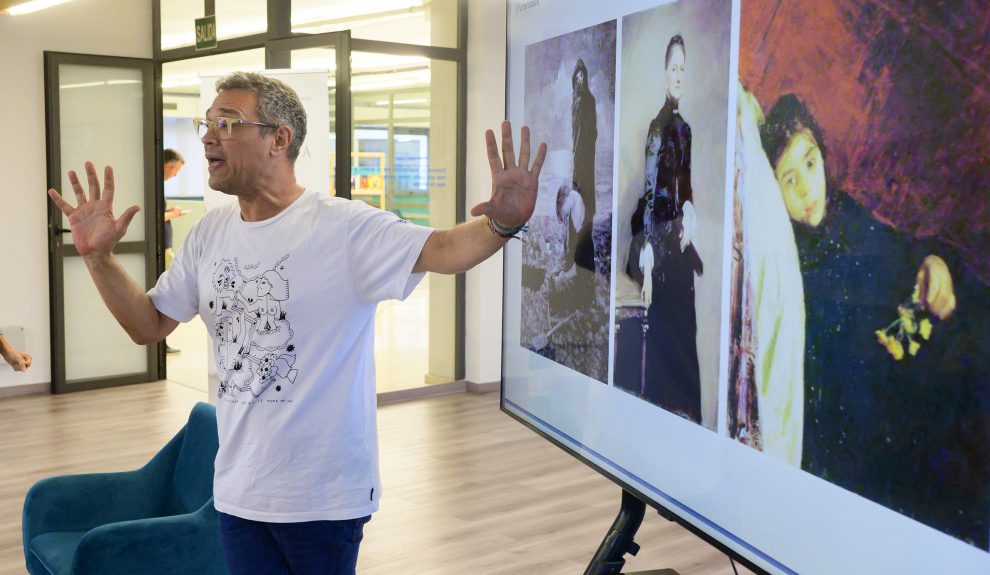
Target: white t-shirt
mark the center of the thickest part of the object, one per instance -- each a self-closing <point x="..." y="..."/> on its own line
<point x="290" y="303"/>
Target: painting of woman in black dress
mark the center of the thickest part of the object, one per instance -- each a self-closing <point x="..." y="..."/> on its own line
<point x="663" y="226"/>
<point x="672" y="169"/>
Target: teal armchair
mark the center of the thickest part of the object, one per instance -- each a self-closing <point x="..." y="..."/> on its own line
<point x="155" y="520"/>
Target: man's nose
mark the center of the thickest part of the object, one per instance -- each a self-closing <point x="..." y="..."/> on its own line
<point x="210" y="137"/>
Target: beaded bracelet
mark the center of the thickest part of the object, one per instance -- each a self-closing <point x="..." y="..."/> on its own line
<point x="504" y="232"/>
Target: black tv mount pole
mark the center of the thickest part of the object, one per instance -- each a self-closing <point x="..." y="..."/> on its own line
<point x="610" y="557"/>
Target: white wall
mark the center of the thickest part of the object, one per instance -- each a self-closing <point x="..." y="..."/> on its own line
<point x="486" y="109"/>
<point x="109" y="27"/>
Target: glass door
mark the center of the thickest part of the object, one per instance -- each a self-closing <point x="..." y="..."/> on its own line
<point x="99" y="109"/>
<point x="399" y="109"/>
<point x="405" y="157"/>
<point x="187" y="92"/>
<point x="330" y="52"/>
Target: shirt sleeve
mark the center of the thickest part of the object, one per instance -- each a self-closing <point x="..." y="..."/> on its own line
<point x="176" y="294"/>
<point x="381" y="251"/>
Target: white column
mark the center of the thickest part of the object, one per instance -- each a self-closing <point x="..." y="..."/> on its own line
<point x="486" y="109"/>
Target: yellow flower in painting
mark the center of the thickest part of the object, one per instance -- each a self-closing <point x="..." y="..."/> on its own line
<point x="904" y="312"/>
<point x="925" y="328"/>
<point x="895" y="348"/>
<point x="913" y="347"/>
<point x="907" y="322"/>
<point x="916" y="294"/>
<point x="881" y="337"/>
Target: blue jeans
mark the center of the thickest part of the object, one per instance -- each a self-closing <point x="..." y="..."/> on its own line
<point x="307" y="548"/>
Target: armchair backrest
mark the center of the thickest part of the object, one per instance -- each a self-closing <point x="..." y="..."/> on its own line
<point x="192" y="483"/>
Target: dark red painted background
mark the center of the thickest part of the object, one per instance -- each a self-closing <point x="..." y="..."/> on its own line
<point x="900" y="89"/>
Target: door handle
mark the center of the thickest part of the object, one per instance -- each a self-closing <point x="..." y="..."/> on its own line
<point x="61" y="230"/>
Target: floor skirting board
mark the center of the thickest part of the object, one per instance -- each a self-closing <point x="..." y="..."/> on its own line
<point x="435" y="390"/>
<point x="384" y="398"/>
<point x="29" y="389"/>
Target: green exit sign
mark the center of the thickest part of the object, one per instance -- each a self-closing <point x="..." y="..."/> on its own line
<point x="206" y="32"/>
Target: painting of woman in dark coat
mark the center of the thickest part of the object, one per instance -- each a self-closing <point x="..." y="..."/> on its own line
<point x="584" y="135"/>
<point x="576" y="286"/>
<point x="894" y="377"/>
<point x="876" y="143"/>
<point x="566" y="254"/>
<point x="664" y="223"/>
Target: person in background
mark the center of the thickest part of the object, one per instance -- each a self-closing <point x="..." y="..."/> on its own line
<point x="18" y="360"/>
<point x="172" y="162"/>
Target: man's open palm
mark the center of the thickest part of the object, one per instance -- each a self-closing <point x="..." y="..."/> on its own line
<point x="514" y="186"/>
<point x="94" y="229"/>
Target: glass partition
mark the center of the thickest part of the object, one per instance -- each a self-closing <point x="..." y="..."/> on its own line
<point x="235" y="18"/>
<point x="95" y="344"/>
<point x="100" y="123"/>
<point x="421" y="22"/>
<point x="181" y="103"/>
<point x="178" y="22"/>
<point x="404" y="159"/>
<point x="404" y="151"/>
<point x="241" y="18"/>
<point x="323" y="59"/>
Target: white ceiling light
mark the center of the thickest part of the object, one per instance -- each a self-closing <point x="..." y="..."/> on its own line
<point x="19" y="7"/>
<point x="381" y="84"/>
<point x="180" y="82"/>
<point x="349" y="12"/>
<point x="400" y="102"/>
<point x="98" y="83"/>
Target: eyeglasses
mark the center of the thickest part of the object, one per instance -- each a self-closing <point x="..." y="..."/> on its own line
<point x="224" y="126"/>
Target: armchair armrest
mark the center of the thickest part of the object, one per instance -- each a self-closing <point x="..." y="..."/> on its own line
<point x="81" y="502"/>
<point x="188" y="543"/>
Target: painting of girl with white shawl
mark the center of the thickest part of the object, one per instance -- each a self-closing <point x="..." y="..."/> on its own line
<point x="860" y="291"/>
<point x="766" y="391"/>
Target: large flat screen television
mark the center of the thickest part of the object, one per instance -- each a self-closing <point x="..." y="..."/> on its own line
<point x="754" y="292"/>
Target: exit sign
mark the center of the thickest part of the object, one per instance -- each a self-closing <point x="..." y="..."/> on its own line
<point x="206" y="32"/>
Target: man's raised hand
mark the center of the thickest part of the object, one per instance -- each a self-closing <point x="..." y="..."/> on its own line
<point x="514" y="186"/>
<point x="94" y="229"/>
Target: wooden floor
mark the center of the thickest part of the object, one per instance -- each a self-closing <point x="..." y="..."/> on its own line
<point x="466" y="489"/>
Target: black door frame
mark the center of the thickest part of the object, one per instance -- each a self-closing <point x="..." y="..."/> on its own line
<point x="58" y="250"/>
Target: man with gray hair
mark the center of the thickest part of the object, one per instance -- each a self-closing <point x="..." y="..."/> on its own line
<point x="287" y="281"/>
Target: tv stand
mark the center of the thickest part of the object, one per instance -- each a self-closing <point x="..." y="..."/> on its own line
<point x="610" y="557"/>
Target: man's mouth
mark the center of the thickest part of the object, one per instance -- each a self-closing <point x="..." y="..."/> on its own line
<point x="214" y="162"/>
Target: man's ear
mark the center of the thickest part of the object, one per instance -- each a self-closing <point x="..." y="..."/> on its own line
<point x="283" y="137"/>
